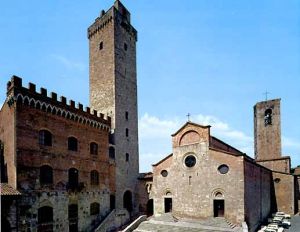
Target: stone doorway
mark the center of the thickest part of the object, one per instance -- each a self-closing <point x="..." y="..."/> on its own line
<point x="219" y="208"/>
<point x="127" y="201"/>
<point x="150" y="207"/>
<point x="168" y="204"/>
<point x="73" y="218"/>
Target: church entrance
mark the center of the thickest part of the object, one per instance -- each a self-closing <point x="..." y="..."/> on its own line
<point x="150" y="207"/>
<point x="218" y="208"/>
<point x="168" y="205"/>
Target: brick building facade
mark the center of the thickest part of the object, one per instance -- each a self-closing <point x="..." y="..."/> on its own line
<point x="57" y="156"/>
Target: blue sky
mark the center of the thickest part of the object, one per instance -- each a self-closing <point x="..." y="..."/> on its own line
<point x="212" y="59"/>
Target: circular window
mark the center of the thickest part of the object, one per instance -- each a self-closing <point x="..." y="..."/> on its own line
<point x="190" y="161"/>
<point x="223" y="169"/>
<point x="164" y="173"/>
<point x="276" y="180"/>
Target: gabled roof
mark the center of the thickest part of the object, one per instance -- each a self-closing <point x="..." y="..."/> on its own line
<point x="218" y="144"/>
<point x="7" y="190"/>
<point x="190" y="123"/>
<point x="167" y="157"/>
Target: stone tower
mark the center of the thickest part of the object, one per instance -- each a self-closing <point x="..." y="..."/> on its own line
<point x="113" y="91"/>
<point x="267" y="132"/>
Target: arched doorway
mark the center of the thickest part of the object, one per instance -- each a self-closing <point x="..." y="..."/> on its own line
<point x="127" y="201"/>
<point x="45" y="219"/>
<point x="73" y="217"/>
<point x="150" y="207"/>
<point x="219" y="204"/>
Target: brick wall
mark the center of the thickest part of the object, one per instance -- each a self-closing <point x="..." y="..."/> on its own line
<point x="258" y="181"/>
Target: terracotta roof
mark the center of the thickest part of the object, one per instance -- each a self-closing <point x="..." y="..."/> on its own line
<point x="147" y="175"/>
<point x="7" y="190"/>
<point x="220" y="145"/>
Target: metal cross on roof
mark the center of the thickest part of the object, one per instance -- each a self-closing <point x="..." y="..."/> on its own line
<point x="188" y="116"/>
<point x="266" y="93"/>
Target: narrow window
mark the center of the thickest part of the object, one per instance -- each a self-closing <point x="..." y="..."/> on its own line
<point x="127" y="157"/>
<point x="268" y="117"/>
<point x="72" y="144"/>
<point x="112" y="152"/>
<point x="127" y="132"/>
<point x="126" y="115"/>
<point x="101" y="45"/>
<point x="94" y="208"/>
<point x="125" y="46"/>
<point x="73" y="178"/>
<point x="112" y="202"/>
<point x="46" y="175"/>
<point x="45" y="138"/>
<point x="94" y="177"/>
<point x="93" y="148"/>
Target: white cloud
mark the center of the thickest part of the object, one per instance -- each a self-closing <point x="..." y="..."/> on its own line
<point x="290" y="143"/>
<point x="68" y="63"/>
<point x="153" y="127"/>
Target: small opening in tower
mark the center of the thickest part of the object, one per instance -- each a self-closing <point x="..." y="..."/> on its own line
<point x="127" y="132"/>
<point x="125" y="46"/>
<point x="101" y="45"/>
<point x="126" y="115"/>
<point x="127" y="157"/>
<point x="268" y="117"/>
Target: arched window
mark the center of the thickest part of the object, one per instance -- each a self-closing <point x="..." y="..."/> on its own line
<point x="94" y="208"/>
<point x="94" y="177"/>
<point x="112" y="152"/>
<point x="72" y="144"/>
<point x="94" y="148"/>
<point x="127" y="157"/>
<point x="45" y="138"/>
<point x="45" y="219"/>
<point x="73" y="178"/>
<point x="268" y="117"/>
<point x="46" y="175"/>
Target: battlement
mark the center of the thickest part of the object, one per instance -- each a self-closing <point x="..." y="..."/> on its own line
<point x="51" y="103"/>
<point x="119" y="11"/>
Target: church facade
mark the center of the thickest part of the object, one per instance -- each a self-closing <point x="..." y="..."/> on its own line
<point x="205" y="177"/>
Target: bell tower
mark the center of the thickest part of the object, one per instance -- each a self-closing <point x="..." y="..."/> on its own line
<point x="113" y="91"/>
<point x="267" y="130"/>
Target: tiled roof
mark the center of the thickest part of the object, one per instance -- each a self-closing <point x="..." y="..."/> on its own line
<point x="147" y="175"/>
<point x="7" y="190"/>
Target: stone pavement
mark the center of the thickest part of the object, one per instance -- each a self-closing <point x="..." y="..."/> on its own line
<point x="295" y="224"/>
<point x="167" y="223"/>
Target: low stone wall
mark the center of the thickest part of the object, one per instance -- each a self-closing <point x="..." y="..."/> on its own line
<point x="135" y="224"/>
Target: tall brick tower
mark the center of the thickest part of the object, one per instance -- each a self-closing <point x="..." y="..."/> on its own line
<point x="113" y="91"/>
<point x="267" y="131"/>
<point x="267" y="136"/>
